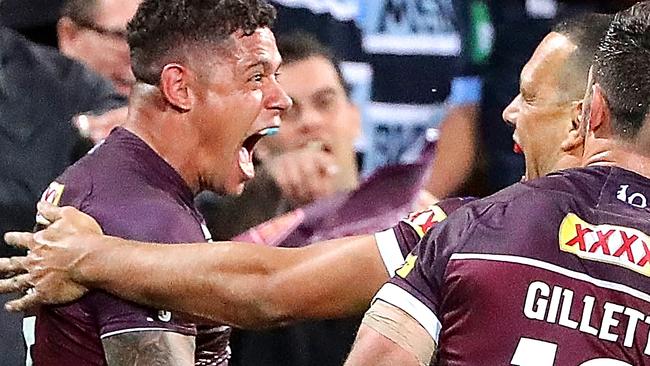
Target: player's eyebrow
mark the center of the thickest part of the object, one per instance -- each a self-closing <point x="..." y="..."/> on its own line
<point x="325" y="92"/>
<point x="265" y="63"/>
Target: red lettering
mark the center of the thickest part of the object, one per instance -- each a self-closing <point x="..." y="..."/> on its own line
<point x="427" y="224"/>
<point x="602" y="242"/>
<point x="646" y="257"/>
<point x="626" y="247"/>
<point x="579" y="238"/>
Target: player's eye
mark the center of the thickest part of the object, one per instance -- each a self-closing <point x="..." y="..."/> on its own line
<point x="257" y="78"/>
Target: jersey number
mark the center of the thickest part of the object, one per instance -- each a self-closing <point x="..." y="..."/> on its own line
<point x="533" y="352"/>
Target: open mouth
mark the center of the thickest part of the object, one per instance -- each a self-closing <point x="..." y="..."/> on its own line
<point x="516" y="147"/>
<point x="248" y="146"/>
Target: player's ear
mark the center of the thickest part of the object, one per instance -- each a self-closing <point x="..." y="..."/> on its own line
<point x="174" y="84"/>
<point x="67" y="32"/>
<point x="599" y="114"/>
<point x="574" y="138"/>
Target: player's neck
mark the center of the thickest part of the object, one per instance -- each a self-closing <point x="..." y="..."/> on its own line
<point x="611" y="152"/>
<point x="161" y="129"/>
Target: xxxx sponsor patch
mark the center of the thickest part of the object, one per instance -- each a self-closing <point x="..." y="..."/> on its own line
<point x="622" y="246"/>
<point x="422" y="221"/>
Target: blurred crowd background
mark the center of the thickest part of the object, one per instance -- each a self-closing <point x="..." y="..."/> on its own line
<point x="373" y="82"/>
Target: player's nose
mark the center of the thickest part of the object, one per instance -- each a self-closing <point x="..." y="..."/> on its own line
<point x="509" y="114"/>
<point x="278" y="98"/>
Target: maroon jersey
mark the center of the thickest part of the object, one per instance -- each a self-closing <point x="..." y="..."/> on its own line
<point x="550" y="272"/>
<point x="397" y="242"/>
<point x="134" y="194"/>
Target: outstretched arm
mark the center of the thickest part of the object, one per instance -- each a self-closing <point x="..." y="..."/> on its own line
<point x="240" y="284"/>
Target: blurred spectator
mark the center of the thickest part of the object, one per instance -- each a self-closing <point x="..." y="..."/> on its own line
<point x="40" y="91"/>
<point x="408" y="57"/>
<point x="311" y="157"/>
<point x="94" y="32"/>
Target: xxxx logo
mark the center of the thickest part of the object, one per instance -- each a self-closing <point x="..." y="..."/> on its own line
<point x="422" y="221"/>
<point x="619" y="245"/>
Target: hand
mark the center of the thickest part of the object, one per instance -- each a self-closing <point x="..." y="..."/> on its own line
<point x="50" y="264"/>
<point x="304" y="175"/>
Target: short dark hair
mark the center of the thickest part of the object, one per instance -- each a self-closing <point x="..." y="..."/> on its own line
<point x="585" y="32"/>
<point x="80" y="11"/>
<point x="162" y="29"/>
<point x="622" y="68"/>
<point x="299" y="46"/>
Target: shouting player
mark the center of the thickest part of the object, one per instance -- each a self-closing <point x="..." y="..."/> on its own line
<point x="204" y="70"/>
<point x="549" y="272"/>
<point x="261" y="286"/>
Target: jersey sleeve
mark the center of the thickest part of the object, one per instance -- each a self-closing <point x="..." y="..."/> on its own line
<point x="417" y="287"/>
<point x="396" y="243"/>
<point x="115" y="316"/>
<point x="144" y="221"/>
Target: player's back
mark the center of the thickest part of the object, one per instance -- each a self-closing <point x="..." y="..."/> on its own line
<point x="551" y="272"/>
<point x="133" y="193"/>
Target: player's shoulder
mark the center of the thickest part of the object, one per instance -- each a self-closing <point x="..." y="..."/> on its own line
<point x="525" y="205"/>
<point x="565" y="187"/>
<point x="422" y="221"/>
<point x="73" y="186"/>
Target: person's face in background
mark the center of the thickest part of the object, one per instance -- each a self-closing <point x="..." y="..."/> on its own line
<point x="322" y="117"/>
<point x="101" y="42"/>
<point x="542" y="112"/>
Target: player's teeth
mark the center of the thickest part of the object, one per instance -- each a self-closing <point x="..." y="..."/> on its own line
<point x="269" y="131"/>
<point x="246" y="163"/>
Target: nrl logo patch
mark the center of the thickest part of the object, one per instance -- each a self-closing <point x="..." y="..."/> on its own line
<point x="422" y="221"/>
<point x="618" y="245"/>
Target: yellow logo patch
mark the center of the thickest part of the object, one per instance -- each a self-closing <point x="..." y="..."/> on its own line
<point x="422" y="221"/>
<point x="51" y="195"/>
<point x="408" y="266"/>
<point x="618" y="245"/>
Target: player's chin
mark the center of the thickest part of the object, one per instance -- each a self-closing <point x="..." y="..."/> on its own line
<point x="236" y="189"/>
<point x="235" y="185"/>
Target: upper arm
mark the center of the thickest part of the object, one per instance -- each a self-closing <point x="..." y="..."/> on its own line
<point x="348" y="271"/>
<point x="389" y="336"/>
<point x="152" y="347"/>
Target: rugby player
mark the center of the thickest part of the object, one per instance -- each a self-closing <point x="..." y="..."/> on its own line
<point x="263" y="286"/>
<point x="204" y="70"/>
<point x="549" y="272"/>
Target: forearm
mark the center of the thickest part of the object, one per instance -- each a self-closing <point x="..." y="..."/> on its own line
<point x="240" y="284"/>
<point x="456" y="151"/>
<point x="224" y="282"/>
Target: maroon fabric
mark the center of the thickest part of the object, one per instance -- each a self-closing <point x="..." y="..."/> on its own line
<point x="519" y="267"/>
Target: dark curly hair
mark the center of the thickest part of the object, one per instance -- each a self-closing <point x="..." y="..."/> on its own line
<point x="162" y="28"/>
